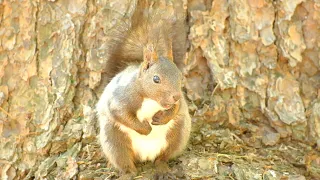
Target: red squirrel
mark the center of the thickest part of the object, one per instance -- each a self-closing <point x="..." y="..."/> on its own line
<point x="142" y="113"/>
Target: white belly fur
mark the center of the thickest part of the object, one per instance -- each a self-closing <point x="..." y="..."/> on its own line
<point x="148" y="147"/>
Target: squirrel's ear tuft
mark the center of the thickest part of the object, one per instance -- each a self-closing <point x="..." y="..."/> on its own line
<point x="169" y="52"/>
<point x="149" y="57"/>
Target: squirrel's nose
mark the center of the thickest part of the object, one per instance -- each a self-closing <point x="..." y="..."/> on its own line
<point x="177" y="97"/>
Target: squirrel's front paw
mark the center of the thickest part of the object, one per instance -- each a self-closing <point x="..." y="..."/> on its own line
<point x="157" y="118"/>
<point x="145" y="129"/>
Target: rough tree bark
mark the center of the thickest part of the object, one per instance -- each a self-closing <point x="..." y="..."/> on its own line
<point x="252" y="65"/>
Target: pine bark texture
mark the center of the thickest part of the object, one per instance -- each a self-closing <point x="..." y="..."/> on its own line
<point x="253" y="65"/>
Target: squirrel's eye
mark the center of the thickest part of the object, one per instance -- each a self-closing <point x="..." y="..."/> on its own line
<point x="156" y="79"/>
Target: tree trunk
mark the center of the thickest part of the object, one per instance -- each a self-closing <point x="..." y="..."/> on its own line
<point x="252" y="66"/>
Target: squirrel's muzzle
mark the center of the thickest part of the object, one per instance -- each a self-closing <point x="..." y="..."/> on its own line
<point x="176" y="97"/>
<point x="173" y="99"/>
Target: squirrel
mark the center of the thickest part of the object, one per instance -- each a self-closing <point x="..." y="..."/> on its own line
<point x="142" y="112"/>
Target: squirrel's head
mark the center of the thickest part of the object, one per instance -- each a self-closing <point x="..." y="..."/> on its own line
<point x="161" y="81"/>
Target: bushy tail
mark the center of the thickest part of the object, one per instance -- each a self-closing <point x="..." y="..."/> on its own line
<point x="153" y="22"/>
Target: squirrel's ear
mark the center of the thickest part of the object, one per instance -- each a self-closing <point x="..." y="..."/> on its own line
<point x="170" y="53"/>
<point x="149" y="57"/>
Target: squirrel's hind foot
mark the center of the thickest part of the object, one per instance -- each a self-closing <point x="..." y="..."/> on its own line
<point x="162" y="171"/>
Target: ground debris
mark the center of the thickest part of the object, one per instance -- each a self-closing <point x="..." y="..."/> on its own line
<point x="234" y="160"/>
